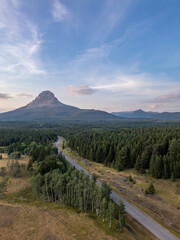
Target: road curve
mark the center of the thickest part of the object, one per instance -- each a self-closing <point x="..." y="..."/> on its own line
<point x="146" y="221"/>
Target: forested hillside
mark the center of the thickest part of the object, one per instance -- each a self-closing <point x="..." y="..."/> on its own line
<point x="155" y="149"/>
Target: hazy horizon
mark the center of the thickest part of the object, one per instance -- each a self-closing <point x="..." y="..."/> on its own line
<point x="111" y="55"/>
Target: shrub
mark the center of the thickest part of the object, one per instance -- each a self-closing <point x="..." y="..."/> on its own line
<point x="14" y="168"/>
<point x="15" y="155"/>
<point x="130" y="178"/>
<point x="151" y="189"/>
<point x="2" y="171"/>
<point x="3" y="185"/>
<point x="23" y="167"/>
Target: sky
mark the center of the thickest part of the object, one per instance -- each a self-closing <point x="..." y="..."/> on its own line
<point x="113" y="55"/>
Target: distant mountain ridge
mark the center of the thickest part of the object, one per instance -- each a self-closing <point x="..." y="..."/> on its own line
<point x="151" y="115"/>
<point x="46" y="107"/>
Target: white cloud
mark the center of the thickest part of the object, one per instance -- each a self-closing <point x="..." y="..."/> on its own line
<point x="59" y="11"/>
<point x="20" y="41"/>
<point x="119" y="83"/>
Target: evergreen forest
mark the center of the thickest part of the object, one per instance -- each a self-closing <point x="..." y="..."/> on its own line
<point x="155" y="150"/>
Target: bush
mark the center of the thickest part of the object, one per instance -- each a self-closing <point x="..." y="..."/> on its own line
<point x="2" y="171"/>
<point x="14" y="168"/>
<point x="23" y="167"/>
<point x="0" y="156"/>
<point x="151" y="189"/>
<point x="3" y="185"/>
<point x="15" y="155"/>
<point x="130" y="178"/>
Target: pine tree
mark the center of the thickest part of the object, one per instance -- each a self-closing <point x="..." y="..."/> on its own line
<point x="159" y="166"/>
<point x="152" y="166"/>
<point x="110" y="156"/>
<point x="151" y="189"/>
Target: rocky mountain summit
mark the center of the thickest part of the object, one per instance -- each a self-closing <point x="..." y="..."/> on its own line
<point x="45" y="98"/>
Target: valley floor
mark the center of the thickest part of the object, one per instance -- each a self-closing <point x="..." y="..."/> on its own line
<point x="24" y="218"/>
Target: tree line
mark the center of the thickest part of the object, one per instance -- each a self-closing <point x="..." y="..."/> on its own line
<point x="155" y="149"/>
<point x="19" y="138"/>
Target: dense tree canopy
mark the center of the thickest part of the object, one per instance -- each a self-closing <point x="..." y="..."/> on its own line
<point x="156" y="149"/>
<point x="152" y="149"/>
<point x="22" y="137"/>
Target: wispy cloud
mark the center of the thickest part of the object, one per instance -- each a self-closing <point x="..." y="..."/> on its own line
<point x="24" y="95"/>
<point x="144" y="86"/>
<point x="93" y="53"/>
<point x="121" y="83"/>
<point x="5" y="96"/>
<point x="20" y="40"/>
<point x="112" y="15"/>
<point x="166" y="98"/>
<point x="169" y="97"/>
<point x="154" y="106"/>
<point x="126" y="83"/>
<point x="81" y="90"/>
<point x="104" y="50"/>
<point x="59" y="11"/>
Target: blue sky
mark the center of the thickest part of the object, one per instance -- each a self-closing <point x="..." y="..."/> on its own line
<point x="114" y="55"/>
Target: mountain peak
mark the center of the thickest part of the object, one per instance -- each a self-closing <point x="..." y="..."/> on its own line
<point x="46" y="93"/>
<point x="139" y="111"/>
<point x="44" y="99"/>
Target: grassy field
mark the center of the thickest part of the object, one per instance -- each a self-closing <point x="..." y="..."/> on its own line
<point x="164" y="206"/>
<point x="22" y="217"/>
<point x="3" y="162"/>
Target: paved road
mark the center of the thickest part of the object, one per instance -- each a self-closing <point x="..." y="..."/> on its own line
<point x="146" y="221"/>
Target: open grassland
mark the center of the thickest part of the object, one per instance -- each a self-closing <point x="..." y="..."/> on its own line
<point x="3" y="162"/>
<point x="164" y="206"/>
<point x="23" y="217"/>
<point x="23" y="221"/>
